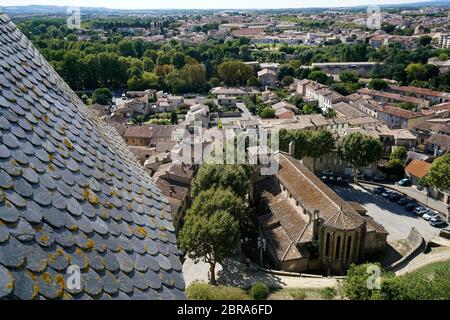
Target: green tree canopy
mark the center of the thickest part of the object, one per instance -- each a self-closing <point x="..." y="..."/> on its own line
<point x="102" y="96"/>
<point x="267" y="112"/>
<point x="234" y="177"/>
<point x="219" y="199"/>
<point x="377" y="84"/>
<point x="439" y="173"/>
<point x="234" y="73"/>
<point x="360" y="150"/>
<point x="319" y="143"/>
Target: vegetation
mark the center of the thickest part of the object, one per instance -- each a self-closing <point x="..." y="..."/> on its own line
<point x="210" y="237"/>
<point x="360" y="150"/>
<point x="298" y="294"/>
<point x="425" y="284"/>
<point x="202" y="291"/>
<point x="259" y="291"/>
<point x="234" y="177"/>
<point x="439" y="173"/>
<point x="377" y="84"/>
<point x="102" y="96"/>
<point x="328" y="293"/>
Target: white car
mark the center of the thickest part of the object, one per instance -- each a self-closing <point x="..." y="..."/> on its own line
<point x="431" y="215"/>
<point x="436" y="221"/>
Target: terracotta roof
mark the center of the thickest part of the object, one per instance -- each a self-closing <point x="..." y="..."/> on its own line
<point x="440" y="140"/>
<point x="418" y="168"/>
<point x="313" y="194"/>
<point x="142" y="131"/>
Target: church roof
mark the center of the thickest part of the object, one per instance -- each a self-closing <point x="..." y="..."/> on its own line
<point x="72" y="194"/>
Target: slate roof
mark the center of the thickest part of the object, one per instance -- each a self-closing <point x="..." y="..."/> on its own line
<point x="71" y="193"/>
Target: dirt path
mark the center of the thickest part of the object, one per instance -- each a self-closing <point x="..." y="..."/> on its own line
<point x="436" y="255"/>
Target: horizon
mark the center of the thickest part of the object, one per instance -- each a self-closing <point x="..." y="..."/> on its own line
<point x="205" y="5"/>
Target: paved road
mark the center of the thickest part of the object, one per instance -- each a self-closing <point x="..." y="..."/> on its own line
<point x="233" y="273"/>
<point x="419" y="195"/>
<point x="395" y="219"/>
<point x="436" y="255"/>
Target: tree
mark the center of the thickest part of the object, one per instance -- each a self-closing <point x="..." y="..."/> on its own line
<point x="234" y="177"/>
<point x="319" y="76"/>
<point x="377" y="84"/>
<point x="349" y="76"/>
<point x="360" y="150"/>
<point x="178" y="60"/>
<point x="399" y="153"/>
<point x="395" y="167"/>
<point x="253" y="82"/>
<point x="102" y="96"/>
<point x="127" y="49"/>
<point x="173" y="118"/>
<point x="234" y="73"/>
<point x="416" y="71"/>
<point x="439" y="173"/>
<point x="267" y="112"/>
<point x="355" y="285"/>
<point x="287" y="81"/>
<point x="210" y="237"/>
<point x="425" y="40"/>
<point x="219" y="199"/>
<point x="319" y="143"/>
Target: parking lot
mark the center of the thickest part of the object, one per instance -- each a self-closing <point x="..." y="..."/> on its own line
<point x="395" y="219"/>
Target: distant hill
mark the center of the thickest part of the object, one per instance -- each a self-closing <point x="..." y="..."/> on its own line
<point x="62" y="10"/>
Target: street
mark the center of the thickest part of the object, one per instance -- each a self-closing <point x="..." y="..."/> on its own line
<point x="395" y="219"/>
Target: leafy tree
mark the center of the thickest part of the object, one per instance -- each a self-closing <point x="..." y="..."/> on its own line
<point x="267" y="112"/>
<point x="300" y="139"/>
<point x="234" y="177"/>
<point x="288" y="80"/>
<point x="253" y="82"/>
<point x="173" y="118"/>
<point x="360" y="150"/>
<point x="319" y="76"/>
<point x="178" y="60"/>
<point x="286" y="70"/>
<point x="234" y="73"/>
<point x="425" y="40"/>
<point x="349" y="76"/>
<point x="406" y="105"/>
<point x="219" y="199"/>
<point x="416" y="71"/>
<point x="319" y="143"/>
<point x="127" y="49"/>
<point x="395" y="167"/>
<point x="102" y="96"/>
<point x="377" y="84"/>
<point x="443" y="57"/>
<point x="439" y="173"/>
<point x="210" y="237"/>
<point x="399" y="153"/>
<point x="215" y="82"/>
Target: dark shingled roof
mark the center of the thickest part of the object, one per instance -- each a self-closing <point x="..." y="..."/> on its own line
<point x="71" y="193"/>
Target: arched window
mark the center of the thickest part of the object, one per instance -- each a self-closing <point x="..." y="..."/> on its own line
<point x="349" y="247"/>
<point x="327" y="244"/>
<point x="338" y="247"/>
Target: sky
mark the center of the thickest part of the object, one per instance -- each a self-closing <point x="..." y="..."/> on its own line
<point x="202" y="4"/>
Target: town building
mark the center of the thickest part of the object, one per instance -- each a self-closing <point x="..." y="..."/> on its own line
<point x="309" y="227"/>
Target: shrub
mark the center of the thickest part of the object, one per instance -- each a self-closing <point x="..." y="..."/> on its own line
<point x="328" y="293"/>
<point x="259" y="291"/>
<point x="298" y="294"/>
<point x="198" y="290"/>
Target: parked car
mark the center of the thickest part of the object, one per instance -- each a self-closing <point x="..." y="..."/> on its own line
<point x="436" y="221"/>
<point x="394" y="196"/>
<point x="379" y="190"/>
<point x="430" y="215"/>
<point x="420" y="210"/>
<point x="404" y="182"/>
<point x="341" y="181"/>
<point x="386" y="194"/>
<point x="324" y="178"/>
<point x="327" y="172"/>
<point x="411" y="206"/>
<point x="404" y="200"/>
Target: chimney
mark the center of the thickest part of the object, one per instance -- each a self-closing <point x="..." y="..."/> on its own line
<point x="292" y="148"/>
